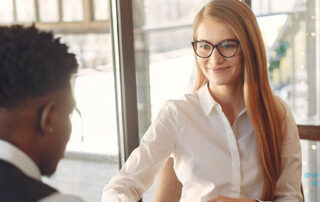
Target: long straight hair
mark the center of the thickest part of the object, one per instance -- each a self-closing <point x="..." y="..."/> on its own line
<point x="264" y="109"/>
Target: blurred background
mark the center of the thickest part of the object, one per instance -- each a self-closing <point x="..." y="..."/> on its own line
<point x="164" y="69"/>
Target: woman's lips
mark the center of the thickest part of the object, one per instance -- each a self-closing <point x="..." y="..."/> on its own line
<point x="218" y="69"/>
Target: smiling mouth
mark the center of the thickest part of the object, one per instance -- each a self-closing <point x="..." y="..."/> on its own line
<point x="218" y="69"/>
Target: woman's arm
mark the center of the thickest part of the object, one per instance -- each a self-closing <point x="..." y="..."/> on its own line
<point x="137" y="174"/>
<point x="168" y="187"/>
<point x="288" y="187"/>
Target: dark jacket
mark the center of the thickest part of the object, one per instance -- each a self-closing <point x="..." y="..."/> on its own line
<point x="15" y="186"/>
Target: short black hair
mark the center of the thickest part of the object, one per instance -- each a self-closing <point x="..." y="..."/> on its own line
<point x="32" y="63"/>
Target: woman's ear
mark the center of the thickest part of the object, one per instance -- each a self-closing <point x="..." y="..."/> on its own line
<point x="46" y="118"/>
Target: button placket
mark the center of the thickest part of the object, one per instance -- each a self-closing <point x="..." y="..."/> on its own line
<point x="233" y="148"/>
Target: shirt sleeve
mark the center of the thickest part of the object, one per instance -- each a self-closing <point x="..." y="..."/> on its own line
<point x="288" y="187"/>
<point x="58" y="197"/>
<point x="137" y="174"/>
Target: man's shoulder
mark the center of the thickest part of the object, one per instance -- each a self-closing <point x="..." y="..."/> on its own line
<point x="16" y="186"/>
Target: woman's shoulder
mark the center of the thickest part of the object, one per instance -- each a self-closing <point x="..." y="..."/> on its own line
<point x="185" y="101"/>
<point x="283" y="107"/>
<point x="288" y="123"/>
<point x="183" y="106"/>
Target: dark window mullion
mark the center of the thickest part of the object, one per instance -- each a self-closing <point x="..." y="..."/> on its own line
<point x="14" y="9"/>
<point x="125" y="79"/>
<point x="36" y="10"/>
<point x="88" y="10"/>
<point x="60" y="11"/>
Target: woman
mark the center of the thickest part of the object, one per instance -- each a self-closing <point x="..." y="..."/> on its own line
<point x="231" y="140"/>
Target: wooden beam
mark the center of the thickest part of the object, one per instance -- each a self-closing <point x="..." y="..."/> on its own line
<point x="36" y="11"/>
<point x="76" y="27"/>
<point x="309" y="132"/>
<point x="60" y="10"/>
<point x="14" y="10"/>
<point x="88" y="10"/>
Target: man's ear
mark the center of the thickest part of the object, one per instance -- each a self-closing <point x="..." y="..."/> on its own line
<point x="46" y="118"/>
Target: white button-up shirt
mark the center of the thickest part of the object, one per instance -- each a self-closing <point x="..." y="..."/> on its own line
<point x="211" y="157"/>
<point x="20" y="160"/>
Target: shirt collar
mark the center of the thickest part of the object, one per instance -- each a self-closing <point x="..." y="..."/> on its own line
<point x="206" y="100"/>
<point x="19" y="159"/>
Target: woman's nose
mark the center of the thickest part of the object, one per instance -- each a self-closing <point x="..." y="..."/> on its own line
<point x="216" y="57"/>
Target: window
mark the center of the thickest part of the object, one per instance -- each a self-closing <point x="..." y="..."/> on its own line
<point x="25" y="11"/>
<point x="6" y="10"/>
<point x="72" y="10"/>
<point x="291" y="33"/>
<point x="92" y="152"/>
<point x="101" y="10"/>
<point x="48" y="11"/>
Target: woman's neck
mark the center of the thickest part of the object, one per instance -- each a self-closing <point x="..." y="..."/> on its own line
<point x="231" y="99"/>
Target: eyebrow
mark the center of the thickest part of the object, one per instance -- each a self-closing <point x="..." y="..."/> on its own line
<point x="228" y="39"/>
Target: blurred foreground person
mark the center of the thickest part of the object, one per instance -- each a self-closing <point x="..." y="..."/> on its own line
<point x="35" y="104"/>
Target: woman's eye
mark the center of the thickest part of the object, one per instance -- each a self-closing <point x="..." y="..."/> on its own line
<point x="227" y="44"/>
<point x="204" y="45"/>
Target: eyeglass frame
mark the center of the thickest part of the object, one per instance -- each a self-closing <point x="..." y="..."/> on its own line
<point x="214" y="46"/>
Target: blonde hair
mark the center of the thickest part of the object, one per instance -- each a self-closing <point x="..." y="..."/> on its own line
<point x="263" y="108"/>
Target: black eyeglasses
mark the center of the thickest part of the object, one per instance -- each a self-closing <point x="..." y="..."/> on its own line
<point x="227" y="48"/>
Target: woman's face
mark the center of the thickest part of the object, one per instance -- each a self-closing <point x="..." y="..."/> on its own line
<point x="217" y="69"/>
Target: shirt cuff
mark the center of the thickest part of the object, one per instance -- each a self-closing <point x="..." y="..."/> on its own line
<point x="115" y="197"/>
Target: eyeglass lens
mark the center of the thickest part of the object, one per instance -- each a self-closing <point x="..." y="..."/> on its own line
<point x="226" y="48"/>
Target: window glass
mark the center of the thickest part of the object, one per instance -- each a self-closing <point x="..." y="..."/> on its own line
<point x="291" y="31"/>
<point x="101" y="10"/>
<point x="94" y="123"/>
<point x="25" y="11"/>
<point x="48" y="10"/>
<point x="92" y="152"/>
<point x="93" y="146"/>
<point x="6" y="12"/>
<point x="273" y="6"/>
<point x="72" y="10"/>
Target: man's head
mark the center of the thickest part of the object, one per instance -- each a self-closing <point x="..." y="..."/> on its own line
<point x="35" y="93"/>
